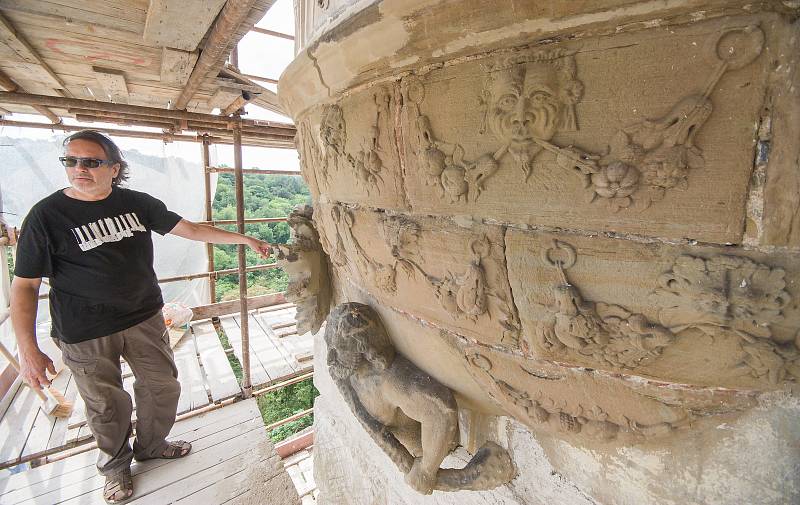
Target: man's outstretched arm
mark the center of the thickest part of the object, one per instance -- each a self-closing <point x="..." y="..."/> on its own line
<point x="32" y="361"/>
<point x="214" y="235"/>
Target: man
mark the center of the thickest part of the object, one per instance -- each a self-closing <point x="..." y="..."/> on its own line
<point x="92" y="240"/>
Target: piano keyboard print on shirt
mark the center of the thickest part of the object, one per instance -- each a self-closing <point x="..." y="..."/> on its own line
<point x="109" y="229"/>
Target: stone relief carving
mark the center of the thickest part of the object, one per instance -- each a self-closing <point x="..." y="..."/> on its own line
<point x="729" y="294"/>
<point x="528" y="98"/>
<point x="412" y="417"/>
<point x="306" y="265"/>
<point x="721" y="296"/>
<point x="564" y="401"/>
<point x="366" y="164"/>
<point x="463" y="294"/>
<point x="606" y="333"/>
<point x="382" y="275"/>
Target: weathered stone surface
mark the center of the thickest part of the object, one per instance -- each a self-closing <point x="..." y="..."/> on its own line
<point x="579" y="215"/>
<point x="430" y="349"/>
<point x="701" y="315"/>
<point x="344" y="455"/>
<point x="691" y="466"/>
<point x="412" y="417"/>
<point x="306" y="265"/>
<point x="351" y="148"/>
<point x="778" y="152"/>
<point x="666" y="142"/>
<point x="453" y="276"/>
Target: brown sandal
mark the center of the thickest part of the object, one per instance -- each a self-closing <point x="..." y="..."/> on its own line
<point x="174" y="450"/>
<point x="119" y="487"/>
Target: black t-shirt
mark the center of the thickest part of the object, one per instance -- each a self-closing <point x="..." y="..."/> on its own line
<point x="99" y="258"/>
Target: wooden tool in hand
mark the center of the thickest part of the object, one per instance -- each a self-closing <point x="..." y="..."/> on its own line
<point x="53" y="401"/>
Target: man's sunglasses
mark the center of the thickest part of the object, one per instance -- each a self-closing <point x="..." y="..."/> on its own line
<point x="71" y="161"/>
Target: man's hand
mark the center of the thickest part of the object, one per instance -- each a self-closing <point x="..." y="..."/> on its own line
<point x="262" y="248"/>
<point x="33" y="365"/>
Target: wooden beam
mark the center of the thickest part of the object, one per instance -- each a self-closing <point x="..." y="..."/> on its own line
<point x="9" y="85"/>
<point x="209" y="214"/>
<point x="224" y="97"/>
<point x="244" y="321"/>
<point x="164" y="137"/>
<point x="217" y="273"/>
<point x="178" y="24"/>
<point x="260" y="78"/>
<point x="164" y="125"/>
<point x="176" y="66"/>
<point x="289" y="419"/>
<point x="266" y="98"/>
<point x="264" y="31"/>
<point x="249" y="220"/>
<point x="230" y="307"/>
<point x="228" y="82"/>
<point x="226" y="170"/>
<point x="237" y="104"/>
<point x="17" y="42"/>
<point x="153" y="112"/>
<point x="113" y="82"/>
<point x="216" y="48"/>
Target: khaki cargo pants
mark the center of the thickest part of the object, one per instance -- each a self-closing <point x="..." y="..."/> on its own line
<point x="96" y="369"/>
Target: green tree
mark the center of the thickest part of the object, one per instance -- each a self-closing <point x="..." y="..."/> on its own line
<point x="264" y="196"/>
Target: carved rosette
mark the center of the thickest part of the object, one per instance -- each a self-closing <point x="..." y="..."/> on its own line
<point x="732" y="296"/>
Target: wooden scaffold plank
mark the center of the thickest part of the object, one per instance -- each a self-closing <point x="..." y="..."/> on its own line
<point x="258" y="373"/>
<point x="193" y="391"/>
<point x="221" y="380"/>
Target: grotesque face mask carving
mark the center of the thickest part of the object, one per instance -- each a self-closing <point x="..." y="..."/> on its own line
<point x="530" y="99"/>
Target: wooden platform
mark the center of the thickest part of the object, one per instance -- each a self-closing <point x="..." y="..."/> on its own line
<point x="276" y="350"/>
<point x="204" y="371"/>
<point x="231" y="459"/>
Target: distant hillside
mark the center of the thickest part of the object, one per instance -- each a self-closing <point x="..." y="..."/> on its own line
<point x="265" y="196"/>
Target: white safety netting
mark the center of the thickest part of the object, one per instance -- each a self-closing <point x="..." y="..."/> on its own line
<point x="30" y="170"/>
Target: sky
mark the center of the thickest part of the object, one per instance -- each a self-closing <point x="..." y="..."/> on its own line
<point x="259" y="54"/>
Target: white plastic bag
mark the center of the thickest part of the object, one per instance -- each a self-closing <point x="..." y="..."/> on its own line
<point x="176" y="315"/>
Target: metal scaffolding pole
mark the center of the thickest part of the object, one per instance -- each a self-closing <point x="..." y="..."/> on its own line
<point x="212" y="283"/>
<point x="247" y="387"/>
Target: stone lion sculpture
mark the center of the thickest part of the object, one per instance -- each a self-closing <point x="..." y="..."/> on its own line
<point x="410" y="415"/>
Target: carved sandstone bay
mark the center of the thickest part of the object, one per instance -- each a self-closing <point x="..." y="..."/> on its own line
<point x="705" y="317"/>
<point x="546" y="203"/>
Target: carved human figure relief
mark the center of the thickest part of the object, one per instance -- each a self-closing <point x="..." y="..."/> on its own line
<point x="730" y="296"/>
<point x="526" y="100"/>
<point x="306" y="265"/>
<point x="411" y="416"/>
<point x="607" y="333"/>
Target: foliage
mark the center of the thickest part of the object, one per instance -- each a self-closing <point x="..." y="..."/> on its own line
<point x="236" y="366"/>
<point x="286" y="402"/>
<point x="264" y="196"/>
